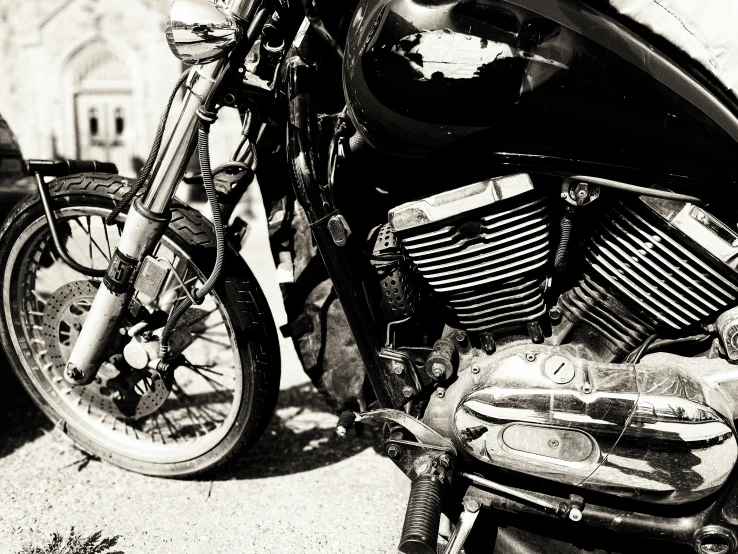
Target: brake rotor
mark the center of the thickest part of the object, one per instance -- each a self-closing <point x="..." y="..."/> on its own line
<point x="118" y="389"/>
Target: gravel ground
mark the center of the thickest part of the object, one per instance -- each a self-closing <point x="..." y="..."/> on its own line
<point x="301" y="489"/>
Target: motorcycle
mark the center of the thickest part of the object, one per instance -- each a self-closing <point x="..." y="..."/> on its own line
<point x="520" y="209"/>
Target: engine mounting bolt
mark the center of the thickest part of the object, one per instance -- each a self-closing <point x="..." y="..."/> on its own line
<point x="461" y="338"/>
<point x="407" y="392"/>
<point x="445" y="461"/>
<point x="471" y="506"/>
<point x="438" y="370"/>
<point x="475" y="369"/>
<point x="575" y="514"/>
<point x="441" y="392"/>
<point x="393" y="451"/>
<point x="555" y="313"/>
<point x="487" y="341"/>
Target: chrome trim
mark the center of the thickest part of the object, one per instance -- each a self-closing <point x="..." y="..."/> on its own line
<point x="244" y="9"/>
<point x="200" y="31"/>
<point x="661" y="431"/>
<point x="457" y="201"/>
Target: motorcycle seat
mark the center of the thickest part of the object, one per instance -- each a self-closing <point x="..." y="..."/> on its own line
<point x="705" y="30"/>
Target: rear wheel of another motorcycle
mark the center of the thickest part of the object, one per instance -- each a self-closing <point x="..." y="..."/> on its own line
<point x="215" y="399"/>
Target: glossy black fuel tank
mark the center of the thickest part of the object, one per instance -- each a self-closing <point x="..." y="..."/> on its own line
<point x="530" y="83"/>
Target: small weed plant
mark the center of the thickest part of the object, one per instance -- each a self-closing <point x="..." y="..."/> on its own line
<point x="75" y="543"/>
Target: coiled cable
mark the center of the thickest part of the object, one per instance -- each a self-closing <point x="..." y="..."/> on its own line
<point x="563" y="249"/>
<point x="153" y="155"/>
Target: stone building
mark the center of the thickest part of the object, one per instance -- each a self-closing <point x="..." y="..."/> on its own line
<point x="85" y="78"/>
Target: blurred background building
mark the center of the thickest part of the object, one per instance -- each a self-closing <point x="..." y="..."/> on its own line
<point x="85" y="78"/>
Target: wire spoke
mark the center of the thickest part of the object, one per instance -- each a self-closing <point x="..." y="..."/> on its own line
<point x="92" y="241"/>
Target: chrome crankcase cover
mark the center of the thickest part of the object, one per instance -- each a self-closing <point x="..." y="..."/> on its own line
<point x="661" y="430"/>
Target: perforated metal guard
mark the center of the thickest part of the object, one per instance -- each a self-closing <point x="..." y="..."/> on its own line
<point x="398" y="292"/>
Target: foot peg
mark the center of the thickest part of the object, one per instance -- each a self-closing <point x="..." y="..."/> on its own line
<point x="345" y="421"/>
<point x="423" y="516"/>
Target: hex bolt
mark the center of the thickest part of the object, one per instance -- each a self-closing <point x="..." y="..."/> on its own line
<point x="407" y="392"/>
<point x="74" y="373"/>
<point x="586" y="388"/>
<point x="575" y="514"/>
<point x="471" y="506"/>
<point x="441" y="392"/>
<point x="555" y="313"/>
<point x="393" y="451"/>
<point x="438" y="370"/>
<point x="461" y="338"/>
<point x="553" y="443"/>
<point x="398" y="368"/>
<point x="475" y="369"/>
<point x="530" y="357"/>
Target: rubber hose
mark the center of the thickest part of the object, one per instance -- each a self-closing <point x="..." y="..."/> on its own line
<point x="203" y="151"/>
<point x="153" y="155"/>
<point x="423" y="516"/>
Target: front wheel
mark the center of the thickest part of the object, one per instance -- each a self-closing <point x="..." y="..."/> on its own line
<point x="215" y="399"/>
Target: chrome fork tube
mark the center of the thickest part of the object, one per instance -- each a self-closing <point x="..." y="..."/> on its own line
<point x="144" y="227"/>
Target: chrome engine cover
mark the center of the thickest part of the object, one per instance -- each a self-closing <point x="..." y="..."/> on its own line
<point x="661" y="430"/>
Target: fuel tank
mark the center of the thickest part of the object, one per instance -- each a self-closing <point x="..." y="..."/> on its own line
<point x="548" y="84"/>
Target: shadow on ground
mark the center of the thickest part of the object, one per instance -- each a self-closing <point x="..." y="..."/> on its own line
<point x="20" y="419"/>
<point x="301" y="437"/>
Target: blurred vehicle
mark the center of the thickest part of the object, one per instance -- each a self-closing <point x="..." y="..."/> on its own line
<point x="14" y="185"/>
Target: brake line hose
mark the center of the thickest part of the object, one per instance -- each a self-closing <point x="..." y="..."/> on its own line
<point x="203" y="151"/>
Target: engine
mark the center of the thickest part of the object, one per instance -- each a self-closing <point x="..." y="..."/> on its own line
<point x="537" y="389"/>
<point x="651" y="265"/>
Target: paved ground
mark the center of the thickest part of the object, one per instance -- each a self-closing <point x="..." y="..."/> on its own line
<point x="301" y="490"/>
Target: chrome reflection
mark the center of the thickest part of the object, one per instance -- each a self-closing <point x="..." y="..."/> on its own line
<point x="660" y="431"/>
<point x="199" y="31"/>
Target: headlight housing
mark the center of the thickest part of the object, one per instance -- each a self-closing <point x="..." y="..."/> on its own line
<point x="199" y="31"/>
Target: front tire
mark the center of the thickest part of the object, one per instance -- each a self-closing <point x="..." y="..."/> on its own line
<point x="223" y="394"/>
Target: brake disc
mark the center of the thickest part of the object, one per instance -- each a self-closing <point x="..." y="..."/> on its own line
<point x="118" y="389"/>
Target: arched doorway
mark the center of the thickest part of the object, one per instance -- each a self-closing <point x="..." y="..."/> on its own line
<point x="103" y="94"/>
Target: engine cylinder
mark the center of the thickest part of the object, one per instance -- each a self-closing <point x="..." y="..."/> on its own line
<point x="482" y="248"/>
<point x="654" y="265"/>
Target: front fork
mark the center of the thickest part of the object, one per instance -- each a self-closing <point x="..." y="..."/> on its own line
<point x="144" y="228"/>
